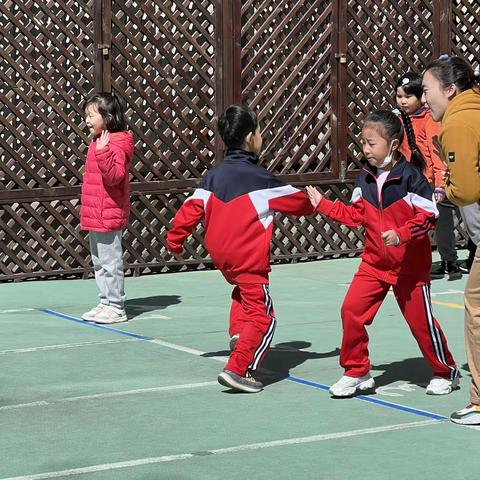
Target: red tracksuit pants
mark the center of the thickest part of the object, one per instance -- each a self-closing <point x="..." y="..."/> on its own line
<point x="363" y="299"/>
<point x="251" y="316"/>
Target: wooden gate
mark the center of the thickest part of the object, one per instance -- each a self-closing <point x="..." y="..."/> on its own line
<point x="311" y="68"/>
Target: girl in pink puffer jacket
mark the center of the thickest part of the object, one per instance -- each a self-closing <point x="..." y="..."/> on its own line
<point x="105" y="202"/>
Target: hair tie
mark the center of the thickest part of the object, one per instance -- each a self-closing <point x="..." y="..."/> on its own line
<point x="405" y="81"/>
<point x="444" y="56"/>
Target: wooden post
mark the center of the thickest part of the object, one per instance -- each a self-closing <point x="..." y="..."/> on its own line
<point x="228" y="60"/>
<point x="339" y="118"/>
<point x="102" y="21"/>
<point x="442" y="27"/>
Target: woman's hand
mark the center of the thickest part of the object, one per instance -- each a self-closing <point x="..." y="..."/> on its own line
<point x="390" y="238"/>
<point x="314" y="195"/>
<point x="102" y="140"/>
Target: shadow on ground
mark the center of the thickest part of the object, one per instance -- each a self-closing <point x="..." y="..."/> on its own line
<point x="281" y="358"/>
<point x="411" y="370"/>
<point x="137" y="306"/>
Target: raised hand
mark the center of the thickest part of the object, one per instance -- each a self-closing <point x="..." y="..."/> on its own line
<point x="102" y="140"/>
<point x="314" y="195"/>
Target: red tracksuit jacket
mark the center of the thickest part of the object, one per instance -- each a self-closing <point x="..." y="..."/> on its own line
<point x="405" y="205"/>
<point x="238" y="199"/>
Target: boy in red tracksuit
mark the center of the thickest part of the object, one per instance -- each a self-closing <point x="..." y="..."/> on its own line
<point x="238" y="199"/>
<point x="394" y="203"/>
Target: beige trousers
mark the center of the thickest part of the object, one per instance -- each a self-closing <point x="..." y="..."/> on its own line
<point x="472" y="327"/>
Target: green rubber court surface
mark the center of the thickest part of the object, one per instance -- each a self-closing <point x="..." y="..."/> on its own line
<point x="140" y="401"/>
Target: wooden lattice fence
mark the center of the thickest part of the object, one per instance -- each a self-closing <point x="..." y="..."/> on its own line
<point x="311" y="68"/>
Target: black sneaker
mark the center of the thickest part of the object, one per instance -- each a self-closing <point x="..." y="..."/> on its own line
<point x="244" y="384"/>
<point x="440" y="271"/>
<point x="454" y="271"/>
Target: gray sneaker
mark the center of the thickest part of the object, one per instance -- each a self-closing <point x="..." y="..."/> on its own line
<point x="233" y="341"/>
<point x="91" y="314"/>
<point x="245" y="384"/>
<point x="111" y="314"/>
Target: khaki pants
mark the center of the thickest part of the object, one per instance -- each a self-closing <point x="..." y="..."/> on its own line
<point x="472" y="327"/>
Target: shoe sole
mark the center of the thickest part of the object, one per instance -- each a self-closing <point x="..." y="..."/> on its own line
<point x="227" y="381"/>
<point x="467" y="421"/>
<point x="107" y="322"/>
<point x="364" y="386"/>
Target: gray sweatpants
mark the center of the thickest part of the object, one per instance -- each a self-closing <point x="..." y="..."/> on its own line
<point x="107" y="259"/>
<point x="471" y="219"/>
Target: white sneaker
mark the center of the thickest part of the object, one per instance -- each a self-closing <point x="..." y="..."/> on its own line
<point x="91" y="314"/>
<point x="470" y="415"/>
<point x="441" y="386"/>
<point x="348" y="386"/>
<point x="111" y="314"/>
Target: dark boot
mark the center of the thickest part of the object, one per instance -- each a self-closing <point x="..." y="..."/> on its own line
<point x="439" y="271"/>
<point x="454" y="271"/>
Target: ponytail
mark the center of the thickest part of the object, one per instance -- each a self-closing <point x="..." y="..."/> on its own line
<point x="454" y="71"/>
<point x="416" y="158"/>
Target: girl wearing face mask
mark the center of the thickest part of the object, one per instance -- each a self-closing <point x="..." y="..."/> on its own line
<point x="452" y="91"/>
<point x="394" y="203"/>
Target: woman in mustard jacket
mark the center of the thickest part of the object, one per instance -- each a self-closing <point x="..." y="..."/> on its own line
<point x="452" y="91"/>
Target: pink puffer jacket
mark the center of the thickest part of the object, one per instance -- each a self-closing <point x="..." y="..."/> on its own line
<point x="106" y="189"/>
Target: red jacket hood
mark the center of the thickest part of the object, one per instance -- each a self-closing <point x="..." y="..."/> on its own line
<point x="124" y="140"/>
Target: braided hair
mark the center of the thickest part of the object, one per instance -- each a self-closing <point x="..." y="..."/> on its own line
<point x="416" y="157"/>
<point x="393" y="130"/>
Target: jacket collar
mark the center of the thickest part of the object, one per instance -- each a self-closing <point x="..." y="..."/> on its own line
<point x="395" y="172"/>
<point x="237" y="154"/>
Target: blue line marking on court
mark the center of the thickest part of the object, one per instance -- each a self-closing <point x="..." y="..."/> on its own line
<point x="95" y="325"/>
<point x="376" y="401"/>
<point x="300" y="381"/>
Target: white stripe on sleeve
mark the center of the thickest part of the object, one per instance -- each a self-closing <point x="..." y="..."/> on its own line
<point x="260" y="199"/>
<point x="200" y="194"/>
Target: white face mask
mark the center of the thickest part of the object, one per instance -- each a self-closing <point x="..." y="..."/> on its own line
<point x="388" y="158"/>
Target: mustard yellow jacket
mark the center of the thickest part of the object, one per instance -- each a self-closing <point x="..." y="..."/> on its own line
<point x="460" y="144"/>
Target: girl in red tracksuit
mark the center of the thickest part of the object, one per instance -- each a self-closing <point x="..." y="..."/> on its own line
<point x="394" y="203"/>
<point x="238" y="199"/>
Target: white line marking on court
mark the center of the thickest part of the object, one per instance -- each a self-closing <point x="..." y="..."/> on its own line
<point x="446" y="292"/>
<point x="65" y="345"/>
<point x="41" y="403"/>
<point x="220" y="451"/>
<point x="17" y="310"/>
<point x="153" y="317"/>
<point x="123" y="393"/>
<point x="180" y="348"/>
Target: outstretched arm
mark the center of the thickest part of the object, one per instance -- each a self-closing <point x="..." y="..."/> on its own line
<point x="349" y="215"/>
<point x="186" y="219"/>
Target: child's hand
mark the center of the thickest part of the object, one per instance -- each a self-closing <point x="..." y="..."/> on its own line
<point x="314" y="195"/>
<point x="439" y="194"/>
<point x="390" y="238"/>
<point x="102" y="140"/>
